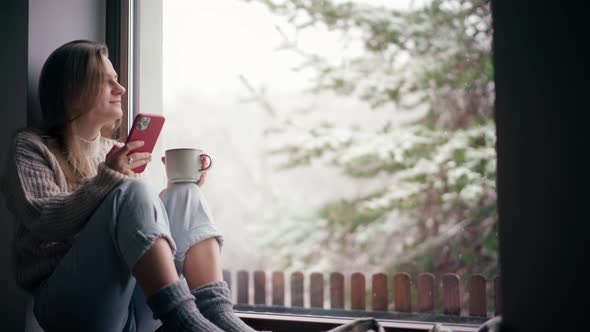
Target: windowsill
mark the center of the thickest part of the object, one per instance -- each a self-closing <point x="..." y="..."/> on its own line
<point x="286" y="319"/>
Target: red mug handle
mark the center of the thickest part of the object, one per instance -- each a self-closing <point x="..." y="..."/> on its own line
<point x="210" y="162"/>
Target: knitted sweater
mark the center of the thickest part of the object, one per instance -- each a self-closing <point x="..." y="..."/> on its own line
<point x="49" y="211"/>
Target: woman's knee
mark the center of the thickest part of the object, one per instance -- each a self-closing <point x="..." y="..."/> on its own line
<point x="140" y="219"/>
<point x="184" y="199"/>
<point x="137" y="204"/>
<point x="136" y="186"/>
<point x="183" y="189"/>
<point x="136" y="192"/>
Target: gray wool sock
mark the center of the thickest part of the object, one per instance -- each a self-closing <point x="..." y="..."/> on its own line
<point x="214" y="302"/>
<point x="174" y="305"/>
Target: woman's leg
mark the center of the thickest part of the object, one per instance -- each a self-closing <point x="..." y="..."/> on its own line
<point x="164" y="290"/>
<point x="194" y="232"/>
<point x="202" y="263"/>
<point x="92" y="287"/>
<point x="155" y="269"/>
<point x="198" y="255"/>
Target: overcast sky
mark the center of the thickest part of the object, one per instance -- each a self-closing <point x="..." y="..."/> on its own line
<point x="222" y="39"/>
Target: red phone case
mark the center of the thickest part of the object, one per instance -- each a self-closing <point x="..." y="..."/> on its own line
<point x="147" y="128"/>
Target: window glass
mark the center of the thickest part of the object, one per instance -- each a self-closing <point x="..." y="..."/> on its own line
<point x="346" y="136"/>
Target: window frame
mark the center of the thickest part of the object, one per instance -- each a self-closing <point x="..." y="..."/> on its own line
<point x="117" y="40"/>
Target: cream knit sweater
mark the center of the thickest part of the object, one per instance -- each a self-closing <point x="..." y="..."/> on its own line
<point x="48" y="210"/>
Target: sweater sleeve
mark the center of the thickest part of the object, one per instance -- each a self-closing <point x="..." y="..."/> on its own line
<point x="46" y="208"/>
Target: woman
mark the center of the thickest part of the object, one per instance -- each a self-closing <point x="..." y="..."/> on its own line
<point x="96" y="247"/>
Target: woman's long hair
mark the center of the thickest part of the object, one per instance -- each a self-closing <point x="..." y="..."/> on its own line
<point x="70" y="83"/>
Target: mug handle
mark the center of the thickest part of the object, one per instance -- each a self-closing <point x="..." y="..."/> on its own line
<point x="210" y="161"/>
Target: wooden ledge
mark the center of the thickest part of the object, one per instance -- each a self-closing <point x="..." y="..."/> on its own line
<point x="281" y="319"/>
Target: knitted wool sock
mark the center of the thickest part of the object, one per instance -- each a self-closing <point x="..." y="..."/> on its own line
<point x="174" y="305"/>
<point x="214" y="301"/>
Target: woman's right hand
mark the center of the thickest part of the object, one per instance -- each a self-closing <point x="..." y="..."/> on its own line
<point x="118" y="159"/>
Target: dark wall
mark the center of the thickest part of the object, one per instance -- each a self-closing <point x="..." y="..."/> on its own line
<point x="49" y="28"/>
<point x="13" y="93"/>
<point x="29" y="31"/>
<point x="542" y="79"/>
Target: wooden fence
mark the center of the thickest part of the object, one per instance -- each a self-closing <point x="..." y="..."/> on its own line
<point x="394" y="294"/>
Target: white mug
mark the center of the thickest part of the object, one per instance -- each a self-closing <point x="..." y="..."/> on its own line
<point x="184" y="165"/>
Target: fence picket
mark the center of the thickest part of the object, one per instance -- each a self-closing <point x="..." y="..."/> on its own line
<point x="259" y="287"/>
<point x="297" y="289"/>
<point x="357" y="291"/>
<point x="243" y="291"/>
<point x="336" y="290"/>
<point x="426" y="292"/>
<point x="451" y="294"/>
<point x="227" y="278"/>
<point x="278" y="288"/>
<point x="478" y="304"/>
<point x="402" y="292"/>
<point x="426" y="288"/>
<point x="380" y="292"/>
<point x="316" y="290"/>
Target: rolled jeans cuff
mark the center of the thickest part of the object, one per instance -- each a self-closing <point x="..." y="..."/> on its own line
<point x="143" y="240"/>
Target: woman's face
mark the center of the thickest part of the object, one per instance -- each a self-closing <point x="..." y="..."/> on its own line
<point x="108" y="103"/>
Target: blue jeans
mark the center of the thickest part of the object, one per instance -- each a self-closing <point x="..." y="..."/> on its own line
<point x="92" y="288"/>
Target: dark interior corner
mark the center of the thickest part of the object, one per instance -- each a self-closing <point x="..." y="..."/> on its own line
<point x="541" y="79"/>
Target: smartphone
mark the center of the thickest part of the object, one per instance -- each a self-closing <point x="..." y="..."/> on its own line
<point x="147" y="128"/>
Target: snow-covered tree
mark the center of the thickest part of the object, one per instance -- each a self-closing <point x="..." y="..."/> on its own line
<point x="436" y="208"/>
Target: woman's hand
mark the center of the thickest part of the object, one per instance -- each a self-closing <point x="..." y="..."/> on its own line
<point x="118" y="159"/>
<point x="204" y="164"/>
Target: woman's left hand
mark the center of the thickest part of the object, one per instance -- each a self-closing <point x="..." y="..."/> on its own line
<point x="205" y="162"/>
